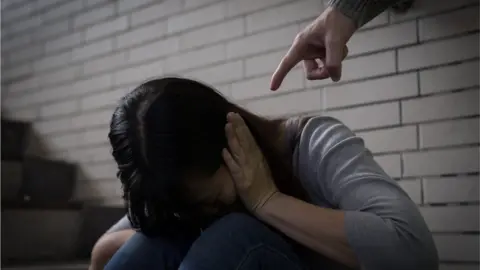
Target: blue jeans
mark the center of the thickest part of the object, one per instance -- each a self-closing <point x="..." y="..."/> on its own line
<point x="236" y="242"/>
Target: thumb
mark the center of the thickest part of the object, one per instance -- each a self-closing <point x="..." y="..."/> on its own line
<point x="333" y="61"/>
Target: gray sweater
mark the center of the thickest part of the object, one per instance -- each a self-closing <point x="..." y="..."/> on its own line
<point x="383" y="225"/>
<point x="361" y="11"/>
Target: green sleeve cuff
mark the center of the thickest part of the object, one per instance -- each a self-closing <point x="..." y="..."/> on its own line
<point x="361" y="11"/>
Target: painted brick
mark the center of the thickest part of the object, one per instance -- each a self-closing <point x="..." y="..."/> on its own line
<point x="153" y="50"/>
<point x="361" y="68"/>
<point x="413" y="189"/>
<point x="448" y="24"/>
<point x="65" y="9"/>
<point x="102" y="99"/>
<point x="93" y="49"/>
<point x="51" y="30"/>
<point x="60" y="108"/>
<point x="142" y="34"/>
<point x="64" y="42"/>
<point x="155" y="12"/>
<point x="212" y="34"/>
<point x="105" y="63"/>
<point x="22" y="25"/>
<point x="25" y="54"/>
<point x="441" y="107"/>
<point x="369" y="116"/>
<point x="451" y="218"/>
<point x="53" y="126"/>
<point x="391" y="164"/>
<point x="383" y="89"/>
<point x="101" y="171"/>
<point x="17" y="71"/>
<point x="62" y="142"/>
<point x="260" y="86"/>
<point x="27" y="114"/>
<point x="96" y="153"/>
<point x="458" y="248"/>
<point x="24" y="85"/>
<point x="458" y="132"/>
<point x="235" y="8"/>
<point x="127" y="5"/>
<point x="138" y="74"/>
<point x="197" y="58"/>
<point x="51" y="62"/>
<point x="265" y="63"/>
<point x="383" y="38"/>
<point x="219" y="74"/>
<point x="451" y="189"/>
<point x="98" y="189"/>
<point x="438" y="52"/>
<point x="15" y="42"/>
<point x="90" y="85"/>
<point x="262" y="42"/>
<point x="107" y="28"/>
<point x="448" y="78"/>
<point x="381" y="19"/>
<point x="18" y="12"/>
<point x="93" y="16"/>
<point x="90" y="3"/>
<point x="285" y="14"/>
<point x="392" y="139"/>
<point x="306" y="101"/>
<point x="92" y="119"/>
<point x="96" y="136"/>
<point x="197" y="3"/>
<point x="428" y="7"/>
<point x="59" y="76"/>
<point x="439" y="162"/>
<point x="197" y="17"/>
<point x="46" y="3"/>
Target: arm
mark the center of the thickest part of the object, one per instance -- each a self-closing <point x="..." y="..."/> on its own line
<point x="376" y="225"/>
<point x="361" y="11"/>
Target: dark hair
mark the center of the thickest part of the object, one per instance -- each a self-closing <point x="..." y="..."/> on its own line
<point x="165" y="128"/>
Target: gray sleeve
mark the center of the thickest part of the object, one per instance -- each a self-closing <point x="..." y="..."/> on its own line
<point x="122" y="224"/>
<point x="383" y="225"/>
<point x="361" y="11"/>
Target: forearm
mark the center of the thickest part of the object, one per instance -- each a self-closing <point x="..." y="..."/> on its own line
<point x="320" y="229"/>
<point x="361" y="11"/>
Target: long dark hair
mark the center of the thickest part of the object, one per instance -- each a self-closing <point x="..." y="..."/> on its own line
<point x="167" y="127"/>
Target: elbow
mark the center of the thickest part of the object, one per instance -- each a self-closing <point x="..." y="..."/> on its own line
<point x="414" y="251"/>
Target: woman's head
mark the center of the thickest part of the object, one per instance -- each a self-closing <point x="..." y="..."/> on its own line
<point x="167" y="136"/>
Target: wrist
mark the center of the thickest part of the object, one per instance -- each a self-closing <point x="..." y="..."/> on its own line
<point x="351" y="9"/>
<point x="269" y="204"/>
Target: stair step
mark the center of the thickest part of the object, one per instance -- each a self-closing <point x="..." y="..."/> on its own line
<point x="32" y="235"/>
<point x="60" y="266"/>
<point x="15" y="135"/>
<point x="11" y="179"/>
<point x="47" y="180"/>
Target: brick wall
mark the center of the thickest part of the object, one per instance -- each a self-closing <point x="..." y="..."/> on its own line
<point x="410" y="86"/>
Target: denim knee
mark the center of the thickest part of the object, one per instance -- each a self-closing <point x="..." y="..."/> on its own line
<point x="143" y="253"/>
<point x="240" y="241"/>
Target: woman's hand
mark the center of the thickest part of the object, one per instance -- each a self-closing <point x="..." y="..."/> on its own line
<point x="247" y="165"/>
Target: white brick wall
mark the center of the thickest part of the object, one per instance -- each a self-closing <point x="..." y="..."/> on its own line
<point x="410" y="86"/>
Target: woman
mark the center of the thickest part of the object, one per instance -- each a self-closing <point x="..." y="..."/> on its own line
<point x="209" y="185"/>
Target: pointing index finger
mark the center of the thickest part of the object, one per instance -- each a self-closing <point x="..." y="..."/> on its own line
<point x="290" y="60"/>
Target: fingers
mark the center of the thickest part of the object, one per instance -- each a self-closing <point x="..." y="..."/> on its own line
<point x="336" y="52"/>
<point x="289" y="61"/>
<point x="313" y="71"/>
<point x="244" y="136"/>
<point x="233" y="143"/>
<point x="232" y="165"/>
